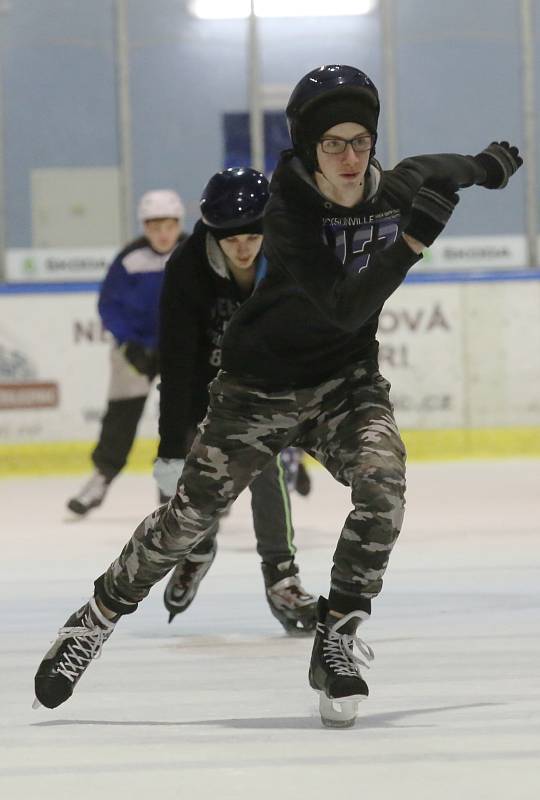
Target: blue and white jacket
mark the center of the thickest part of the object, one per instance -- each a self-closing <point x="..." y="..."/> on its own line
<point x="129" y="297"/>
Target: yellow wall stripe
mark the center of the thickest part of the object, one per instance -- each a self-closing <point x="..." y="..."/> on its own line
<point x="69" y="458"/>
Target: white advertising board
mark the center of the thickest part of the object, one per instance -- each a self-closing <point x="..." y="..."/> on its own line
<point x="476" y="252"/>
<point x="459" y="355"/>
<point x="421" y="354"/>
<point x="75" y="264"/>
<point x="54" y="364"/>
<point x="90" y="264"/>
<point x="463" y="354"/>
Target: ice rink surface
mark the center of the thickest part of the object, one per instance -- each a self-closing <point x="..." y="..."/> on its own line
<point x="217" y="704"/>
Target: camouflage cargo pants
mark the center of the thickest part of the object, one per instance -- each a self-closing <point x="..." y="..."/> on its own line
<point x="271" y="510"/>
<point x="347" y="423"/>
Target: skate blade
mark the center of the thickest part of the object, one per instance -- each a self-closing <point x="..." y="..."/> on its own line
<point x="36" y="704"/>
<point x="173" y="612"/>
<point x="338" y="713"/>
<point x="295" y="627"/>
<point x="72" y="516"/>
<point x="299" y="633"/>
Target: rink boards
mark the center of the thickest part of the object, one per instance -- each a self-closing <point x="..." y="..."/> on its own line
<point x="462" y="352"/>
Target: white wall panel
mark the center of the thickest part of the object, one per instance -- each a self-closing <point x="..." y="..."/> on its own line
<point x="55" y="341"/>
<point x="458" y="355"/>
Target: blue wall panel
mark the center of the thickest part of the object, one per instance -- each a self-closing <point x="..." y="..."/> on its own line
<point x="459" y="78"/>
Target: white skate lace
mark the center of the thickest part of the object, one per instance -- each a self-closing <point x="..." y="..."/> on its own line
<point x="339" y="649"/>
<point x="87" y="645"/>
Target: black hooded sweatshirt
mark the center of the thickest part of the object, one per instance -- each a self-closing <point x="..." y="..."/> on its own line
<point x="198" y="299"/>
<point x="330" y="269"/>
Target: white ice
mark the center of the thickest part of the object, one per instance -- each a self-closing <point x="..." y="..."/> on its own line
<point x="217" y="704"/>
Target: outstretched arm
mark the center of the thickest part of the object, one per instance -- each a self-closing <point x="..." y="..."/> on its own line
<point x="492" y="168"/>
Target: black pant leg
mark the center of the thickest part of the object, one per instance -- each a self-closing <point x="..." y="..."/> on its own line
<point x="271" y="507"/>
<point x="118" y="429"/>
<point x="230" y="449"/>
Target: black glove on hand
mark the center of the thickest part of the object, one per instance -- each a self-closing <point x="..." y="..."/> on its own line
<point x="500" y="160"/>
<point x="431" y="209"/>
<point x="143" y="359"/>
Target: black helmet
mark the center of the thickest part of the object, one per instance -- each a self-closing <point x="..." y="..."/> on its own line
<point x="352" y="93"/>
<point x="233" y="201"/>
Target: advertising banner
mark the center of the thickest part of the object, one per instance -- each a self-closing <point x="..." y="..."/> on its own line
<point x="80" y="264"/>
<point x="476" y="253"/>
<point x="54" y="369"/>
<point x="459" y="355"/>
<point x="421" y="354"/>
<point x="463" y="354"/>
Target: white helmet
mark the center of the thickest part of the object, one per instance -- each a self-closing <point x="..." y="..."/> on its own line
<point x="160" y="203"/>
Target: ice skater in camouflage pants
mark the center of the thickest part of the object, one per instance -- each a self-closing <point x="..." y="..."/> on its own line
<point x="206" y="279"/>
<point x="300" y="366"/>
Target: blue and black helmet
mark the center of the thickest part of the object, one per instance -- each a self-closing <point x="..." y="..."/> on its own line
<point x="325" y="97"/>
<point x="233" y="201"/>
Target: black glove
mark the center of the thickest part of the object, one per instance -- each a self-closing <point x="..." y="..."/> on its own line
<point x="500" y="160"/>
<point x="431" y="209"/>
<point x="143" y="359"/>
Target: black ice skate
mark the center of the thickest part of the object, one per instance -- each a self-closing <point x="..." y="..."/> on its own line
<point x="334" y="671"/>
<point x="185" y="579"/>
<point x="91" y="495"/>
<point x="78" y="642"/>
<point x="289" y="602"/>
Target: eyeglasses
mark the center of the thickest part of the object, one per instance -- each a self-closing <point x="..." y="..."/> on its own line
<point x="334" y="146"/>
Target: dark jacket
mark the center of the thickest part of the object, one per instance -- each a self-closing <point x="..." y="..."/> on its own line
<point x="129" y="296"/>
<point x="330" y="270"/>
<point x="198" y="299"/>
